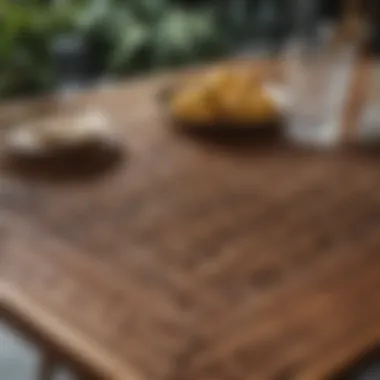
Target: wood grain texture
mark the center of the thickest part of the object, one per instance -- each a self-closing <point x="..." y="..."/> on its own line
<point x="197" y="259"/>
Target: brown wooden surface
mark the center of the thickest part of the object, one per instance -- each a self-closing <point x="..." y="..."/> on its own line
<point x="193" y="259"/>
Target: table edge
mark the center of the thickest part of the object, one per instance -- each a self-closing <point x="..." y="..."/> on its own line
<point x="16" y="307"/>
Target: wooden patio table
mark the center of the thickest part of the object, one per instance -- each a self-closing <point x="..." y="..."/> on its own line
<point x="193" y="258"/>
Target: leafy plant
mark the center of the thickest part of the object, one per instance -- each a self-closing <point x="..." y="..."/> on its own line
<point x="26" y="33"/>
<point x="123" y="37"/>
<point x="148" y="34"/>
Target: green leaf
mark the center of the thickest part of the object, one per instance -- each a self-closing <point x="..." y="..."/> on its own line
<point x="92" y="14"/>
<point x="149" y="11"/>
<point x="134" y="37"/>
<point x="203" y="25"/>
<point x="173" y="42"/>
<point x="186" y="36"/>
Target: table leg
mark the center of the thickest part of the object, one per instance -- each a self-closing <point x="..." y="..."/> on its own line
<point x="47" y="367"/>
<point x="84" y="376"/>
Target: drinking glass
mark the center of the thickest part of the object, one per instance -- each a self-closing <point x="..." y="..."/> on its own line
<point x="368" y="128"/>
<point x="318" y="70"/>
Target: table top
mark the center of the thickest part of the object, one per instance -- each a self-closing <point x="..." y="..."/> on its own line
<point x="195" y="258"/>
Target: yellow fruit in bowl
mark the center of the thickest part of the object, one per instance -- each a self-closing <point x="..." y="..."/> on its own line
<point x="230" y="105"/>
<point x="191" y="105"/>
<point x="215" y="85"/>
<point x="263" y="107"/>
<point x="226" y="95"/>
<point x="218" y="80"/>
<point x="248" y="107"/>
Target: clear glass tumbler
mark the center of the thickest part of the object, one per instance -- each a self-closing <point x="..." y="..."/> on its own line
<point x="368" y="128"/>
<point x="318" y="71"/>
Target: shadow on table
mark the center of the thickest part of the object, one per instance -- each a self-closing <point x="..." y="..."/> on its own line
<point x="83" y="165"/>
<point x="269" y="140"/>
<point x="365" y="367"/>
<point x="234" y="138"/>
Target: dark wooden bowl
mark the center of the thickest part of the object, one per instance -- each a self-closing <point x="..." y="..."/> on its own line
<point x="222" y="129"/>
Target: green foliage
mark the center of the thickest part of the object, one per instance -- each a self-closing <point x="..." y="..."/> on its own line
<point x="124" y="37"/>
<point x="149" y="34"/>
<point x="26" y="32"/>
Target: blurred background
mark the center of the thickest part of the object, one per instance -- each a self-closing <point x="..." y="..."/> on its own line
<point x="49" y="44"/>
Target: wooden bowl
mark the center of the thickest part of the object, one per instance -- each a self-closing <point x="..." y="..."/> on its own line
<point x="268" y="127"/>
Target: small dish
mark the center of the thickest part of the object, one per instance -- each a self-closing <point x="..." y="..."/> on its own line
<point x="58" y="134"/>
